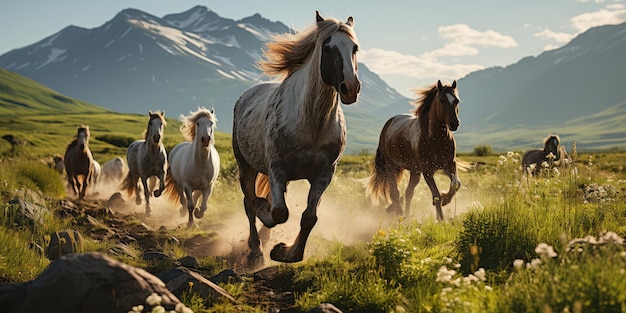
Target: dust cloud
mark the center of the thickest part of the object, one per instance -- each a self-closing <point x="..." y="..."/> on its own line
<point x="346" y="219"/>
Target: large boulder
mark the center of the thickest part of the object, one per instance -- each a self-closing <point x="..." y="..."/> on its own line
<point x="64" y="243"/>
<point x="89" y="282"/>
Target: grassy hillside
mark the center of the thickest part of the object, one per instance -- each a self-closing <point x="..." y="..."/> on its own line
<point x="47" y="120"/>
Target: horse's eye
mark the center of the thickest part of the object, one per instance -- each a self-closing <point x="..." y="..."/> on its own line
<point x="197" y="124"/>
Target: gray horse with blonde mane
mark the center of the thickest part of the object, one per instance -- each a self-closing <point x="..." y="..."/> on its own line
<point x="294" y="128"/>
<point x="147" y="159"/>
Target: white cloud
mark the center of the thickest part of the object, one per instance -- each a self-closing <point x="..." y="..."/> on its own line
<point x="461" y="41"/>
<point x="463" y="34"/>
<point x="388" y="62"/>
<point x="611" y="14"/>
<point x="555" y="36"/>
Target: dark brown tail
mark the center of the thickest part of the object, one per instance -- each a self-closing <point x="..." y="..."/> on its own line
<point x="129" y="184"/>
<point x="170" y="188"/>
<point x="377" y="184"/>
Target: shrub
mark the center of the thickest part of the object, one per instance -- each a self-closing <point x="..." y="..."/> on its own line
<point x="484" y="150"/>
<point x="116" y="140"/>
<point x="494" y="237"/>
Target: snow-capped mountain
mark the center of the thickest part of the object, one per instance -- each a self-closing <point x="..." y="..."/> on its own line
<point x="138" y="62"/>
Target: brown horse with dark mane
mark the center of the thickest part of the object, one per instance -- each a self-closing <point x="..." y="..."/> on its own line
<point x="421" y="143"/>
<point x="79" y="162"/>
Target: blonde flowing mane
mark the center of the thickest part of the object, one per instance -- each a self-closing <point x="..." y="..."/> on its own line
<point x="188" y="128"/>
<point x="288" y="52"/>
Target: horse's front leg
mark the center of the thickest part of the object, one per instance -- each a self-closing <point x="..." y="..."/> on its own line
<point x="430" y="180"/>
<point x="455" y="185"/>
<point x="295" y="253"/>
<point x="146" y="194"/>
<point x="206" y="193"/>
<point x="157" y="193"/>
<point x="278" y="212"/>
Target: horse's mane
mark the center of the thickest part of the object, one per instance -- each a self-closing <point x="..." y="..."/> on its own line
<point x="287" y="53"/>
<point x="550" y="136"/>
<point x="425" y="100"/>
<point x="75" y="141"/>
<point x="188" y="128"/>
<point x="158" y="114"/>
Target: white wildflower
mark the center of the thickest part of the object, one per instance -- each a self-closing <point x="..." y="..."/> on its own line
<point x="545" y="164"/>
<point x="534" y="264"/>
<point x="612" y="237"/>
<point x="510" y="154"/>
<point x="518" y="264"/>
<point x="543" y="249"/>
<point x="480" y="274"/>
<point x="556" y="172"/>
<point x="154" y="299"/>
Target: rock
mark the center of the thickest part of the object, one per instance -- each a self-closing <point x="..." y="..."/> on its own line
<point x="188" y="280"/>
<point x="188" y="262"/>
<point x="116" y="201"/>
<point x="325" y="308"/>
<point x="155" y="256"/>
<point x="89" y="282"/>
<point x="226" y="277"/>
<point x="26" y="214"/>
<point x="63" y="243"/>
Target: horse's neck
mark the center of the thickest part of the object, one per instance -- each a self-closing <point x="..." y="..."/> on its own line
<point x="318" y="102"/>
<point x="434" y="129"/>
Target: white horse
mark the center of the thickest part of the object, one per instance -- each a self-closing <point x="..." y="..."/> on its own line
<point x="147" y="158"/>
<point x="113" y="170"/>
<point x="95" y="178"/>
<point x="194" y="164"/>
<point x="295" y="128"/>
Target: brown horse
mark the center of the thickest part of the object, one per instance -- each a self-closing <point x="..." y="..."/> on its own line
<point x="421" y="143"/>
<point x="79" y="163"/>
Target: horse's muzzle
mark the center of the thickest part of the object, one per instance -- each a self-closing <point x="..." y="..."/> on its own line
<point x="454" y="125"/>
<point x="349" y="91"/>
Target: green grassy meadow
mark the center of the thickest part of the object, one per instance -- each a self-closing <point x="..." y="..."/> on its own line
<point x="510" y="243"/>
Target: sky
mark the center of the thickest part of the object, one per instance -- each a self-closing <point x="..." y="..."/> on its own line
<point x="409" y="44"/>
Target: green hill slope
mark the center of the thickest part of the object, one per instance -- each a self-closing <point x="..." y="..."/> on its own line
<point x="22" y="96"/>
<point x="46" y="122"/>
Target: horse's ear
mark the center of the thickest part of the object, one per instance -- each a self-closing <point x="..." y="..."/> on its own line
<point x="163" y="113"/>
<point x="149" y="112"/>
<point x="350" y="22"/>
<point x="454" y="84"/>
<point x="318" y="17"/>
<point x="439" y="86"/>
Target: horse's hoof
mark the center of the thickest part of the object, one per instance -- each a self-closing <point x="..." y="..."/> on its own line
<point x="157" y="193"/>
<point x="280" y="215"/>
<point x="198" y="213"/>
<point x="255" y="259"/>
<point x="280" y="253"/>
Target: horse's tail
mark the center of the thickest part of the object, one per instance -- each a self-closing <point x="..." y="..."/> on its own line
<point x="170" y="188"/>
<point x="262" y="186"/>
<point x="377" y="184"/>
<point x="129" y="184"/>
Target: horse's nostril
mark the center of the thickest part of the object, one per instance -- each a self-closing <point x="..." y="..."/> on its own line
<point x="343" y="89"/>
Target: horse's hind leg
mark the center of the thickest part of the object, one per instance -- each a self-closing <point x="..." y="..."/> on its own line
<point x="393" y="174"/>
<point x="247" y="177"/>
<point x="410" y="191"/>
